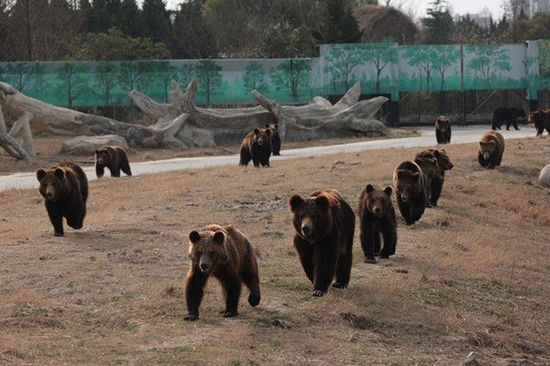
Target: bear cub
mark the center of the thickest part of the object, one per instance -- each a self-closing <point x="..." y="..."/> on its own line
<point x="324" y="225"/>
<point x="377" y="217"/>
<point x="491" y="148"/>
<point x="275" y="138"/>
<point x="443" y="130"/>
<point x="256" y="146"/>
<point x="65" y="190"/>
<point x="114" y="158"/>
<point x="225" y="253"/>
<point x="410" y="191"/>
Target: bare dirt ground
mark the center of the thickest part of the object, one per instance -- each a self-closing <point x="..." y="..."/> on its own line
<point x="472" y="275"/>
<point x="48" y="149"/>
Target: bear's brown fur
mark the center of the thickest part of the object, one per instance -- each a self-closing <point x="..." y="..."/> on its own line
<point x="541" y="120"/>
<point x="377" y="217"/>
<point x="225" y="253"/>
<point x="491" y="148"/>
<point x="65" y="190"/>
<point x="431" y="171"/>
<point x="114" y="158"/>
<point x="324" y="225"/>
<point x="410" y="191"/>
<point x="443" y="130"/>
<point x="275" y="138"/>
<point x="444" y="163"/>
<point x="256" y="146"/>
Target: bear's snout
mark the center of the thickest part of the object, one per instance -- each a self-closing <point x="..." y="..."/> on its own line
<point x="261" y="142"/>
<point x="204" y="267"/>
<point x="306" y="227"/>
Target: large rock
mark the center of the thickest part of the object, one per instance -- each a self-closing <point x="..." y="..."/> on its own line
<point x="89" y="144"/>
<point x="544" y="177"/>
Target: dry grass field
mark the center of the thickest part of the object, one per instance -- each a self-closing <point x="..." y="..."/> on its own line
<point x="471" y="275"/>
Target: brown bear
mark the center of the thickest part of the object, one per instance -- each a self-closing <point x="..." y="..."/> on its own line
<point x="444" y="164"/>
<point x="443" y="130"/>
<point x="65" y="190"/>
<point x="491" y="148"/>
<point x="114" y="158"/>
<point x="256" y="146"/>
<point x="377" y="216"/>
<point x="410" y="191"/>
<point x="432" y="173"/>
<point x="541" y="120"/>
<point x="225" y="253"/>
<point x="275" y="138"/>
<point x="324" y="225"/>
<point x="506" y="115"/>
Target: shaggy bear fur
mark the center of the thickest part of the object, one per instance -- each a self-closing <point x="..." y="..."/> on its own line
<point x="491" y="148"/>
<point x="541" y="120"/>
<point x="225" y="253"/>
<point x="377" y="217"/>
<point x="114" y="158"/>
<point x="444" y="163"/>
<point x="431" y="171"/>
<point x="443" y="130"/>
<point x="256" y="146"/>
<point x="410" y="190"/>
<point x="65" y="190"/>
<point x="324" y="225"/>
<point x="275" y="138"/>
<point x="506" y="115"/>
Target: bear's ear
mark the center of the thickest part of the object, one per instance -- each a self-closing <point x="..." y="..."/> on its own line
<point x="415" y="177"/>
<point x="256" y="131"/>
<point x="369" y="188"/>
<point x="267" y="125"/>
<point x="194" y="236"/>
<point x="59" y="173"/>
<point x="436" y="153"/>
<point x="295" y="202"/>
<point x="276" y="125"/>
<point x="268" y="131"/>
<point x="219" y="236"/>
<point x="322" y="202"/>
<point x="401" y="174"/>
<point x="40" y="173"/>
<point x="388" y="191"/>
<point x="482" y="144"/>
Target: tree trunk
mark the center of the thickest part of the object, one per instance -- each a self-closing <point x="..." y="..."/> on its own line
<point x="9" y="144"/>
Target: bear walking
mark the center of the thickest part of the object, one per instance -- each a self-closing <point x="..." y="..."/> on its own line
<point x="444" y="163"/>
<point x="410" y="190"/>
<point x="324" y="225"/>
<point x="491" y="148"/>
<point x="275" y="138"/>
<point x="256" y="146"/>
<point x="65" y="191"/>
<point x="432" y="174"/>
<point x="225" y="253"/>
<point x="541" y="120"/>
<point x="114" y="158"/>
<point x="506" y="115"/>
<point x="377" y="217"/>
<point x="443" y="130"/>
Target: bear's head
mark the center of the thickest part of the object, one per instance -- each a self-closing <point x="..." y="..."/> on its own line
<point x="311" y="216"/>
<point x="443" y="159"/>
<point x="378" y="202"/>
<point x="53" y="183"/>
<point x="536" y="117"/>
<point x="274" y="127"/>
<point x="103" y="156"/>
<point x="518" y="112"/>
<point x="262" y="136"/>
<point x="443" y="123"/>
<point x="408" y="184"/>
<point x="487" y="148"/>
<point x="207" y="249"/>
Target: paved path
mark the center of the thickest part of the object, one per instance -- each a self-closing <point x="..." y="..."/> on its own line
<point x="460" y="135"/>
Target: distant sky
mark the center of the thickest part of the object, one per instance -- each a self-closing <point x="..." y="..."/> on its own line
<point x="418" y="7"/>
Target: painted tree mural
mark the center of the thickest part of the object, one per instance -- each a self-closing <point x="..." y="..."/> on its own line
<point x="105" y="79"/>
<point x="444" y="57"/>
<point x="71" y="80"/>
<point x="162" y="73"/>
<point x="487" y="60"/>
<point x="420" y="57"/>
<point x="380" y="57"/>
<point x="544" y="58"/>
<point x="208" y="76"/>
<point x="291" y="75"/>
<point x="133" y="75"/>
<point x="341" y="62"/>
<point x="254" y="77"/>
<point x="186" y="74"/>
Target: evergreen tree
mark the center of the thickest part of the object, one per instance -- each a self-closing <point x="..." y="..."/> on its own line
<point x="438" y="27"/>
<point x="338" y="24"/>
<point x="156" y="21"/>
<point x="130" y="16"/>
<point x="191" y="36"/>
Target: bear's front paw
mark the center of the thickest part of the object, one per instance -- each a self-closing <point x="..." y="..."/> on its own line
<point x="370" y="260"/>
<point x="228" y="314"/>
<point x="191" y="317"/>
<point x="339" y="285"/>
<point x="253" y="300"/>
<point x="58" y="234"/>
<point x="318" y="293"/>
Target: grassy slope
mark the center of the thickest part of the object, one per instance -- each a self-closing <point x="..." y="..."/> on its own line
<point x="472" y="275"/>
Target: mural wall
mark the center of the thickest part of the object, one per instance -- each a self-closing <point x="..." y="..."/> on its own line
<point x="384" y="68"/>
